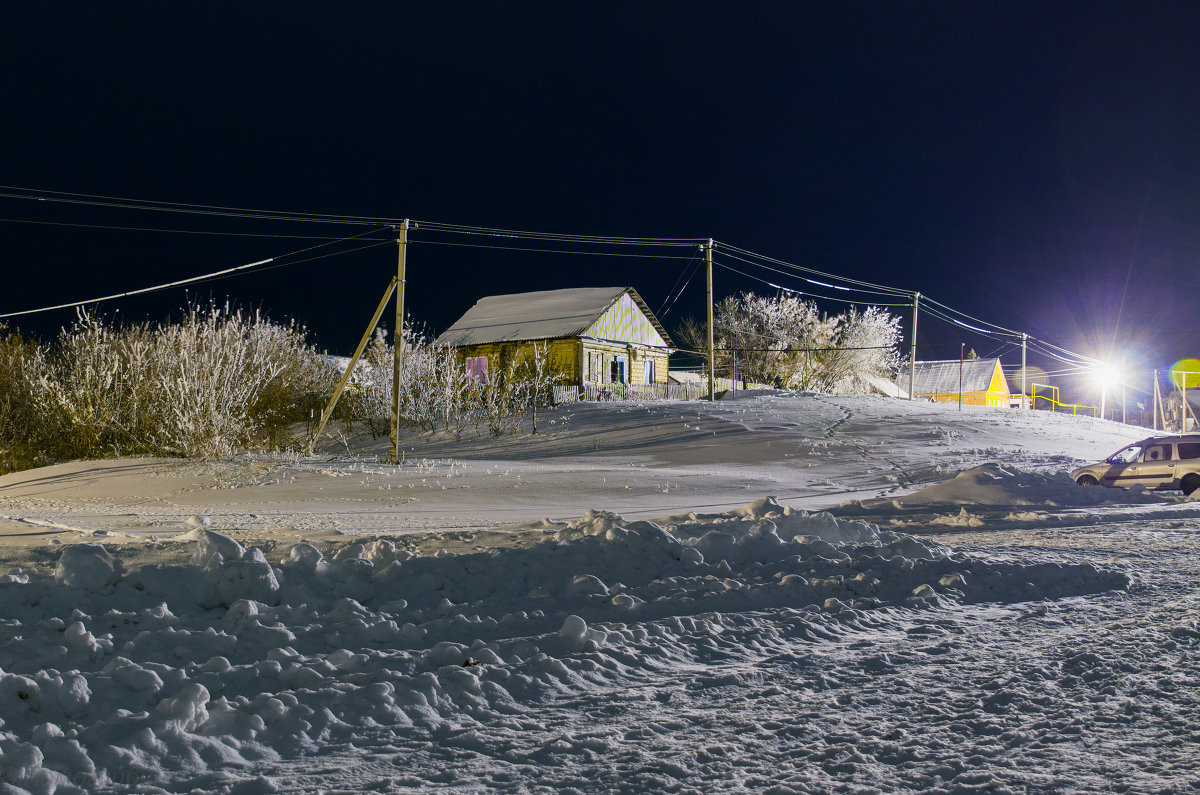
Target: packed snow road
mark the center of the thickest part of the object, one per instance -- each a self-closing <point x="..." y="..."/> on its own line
<point x="1001" y="630"/>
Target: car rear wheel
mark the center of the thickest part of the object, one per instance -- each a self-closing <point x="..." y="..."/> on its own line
<point x="1088" y="480"/>
<point x="1189" y="483"/>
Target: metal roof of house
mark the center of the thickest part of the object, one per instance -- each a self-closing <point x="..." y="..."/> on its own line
<point x="941" y="377"/>
<point x="543" y="315"/>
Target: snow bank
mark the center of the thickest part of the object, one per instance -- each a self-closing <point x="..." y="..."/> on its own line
<point x="999" y="485"/>
<point x="188" y="676"/>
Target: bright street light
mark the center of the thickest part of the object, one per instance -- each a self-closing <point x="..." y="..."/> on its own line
<point x="1105" y="376"/>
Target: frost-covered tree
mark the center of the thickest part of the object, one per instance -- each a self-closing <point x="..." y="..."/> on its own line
<point x="865" y="345"/>
<point x="787" y="340"/>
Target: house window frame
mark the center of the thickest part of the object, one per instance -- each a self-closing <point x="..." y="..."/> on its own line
<point x="477" y="369"/>
<point x="618" y="370"/>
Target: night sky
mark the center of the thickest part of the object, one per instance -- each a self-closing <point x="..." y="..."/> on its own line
<point x="1034" y="165"/>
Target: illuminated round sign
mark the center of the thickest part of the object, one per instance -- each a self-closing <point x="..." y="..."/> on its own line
<point x="1186" y="373"/>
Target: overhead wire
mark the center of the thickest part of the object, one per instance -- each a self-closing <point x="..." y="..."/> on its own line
<point x="155" y="202"/>
<point x="747" y="256"/>
<point x="952" y="310"/>
<point x="812" y="281"/>
<point x="976" y="329"/>
<point x="682" y="283"/>
<point x="419" y="242"/>
<point x="187" y="210"/>
<point x="869" y="286"/>
<point x="203" y="277"/>
<point x="175" y="231"/>
<point x="66" y="197"/>
<point x="801" y="292"/>
<point x="794" y="266"/>
<point x="438" y="226"/>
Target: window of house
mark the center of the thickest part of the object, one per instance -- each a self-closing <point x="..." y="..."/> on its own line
<point x="595" y="367"/>
<point x="618" y="368"/>
<point x="477" y="369"/>
<point x="648" y="369"/>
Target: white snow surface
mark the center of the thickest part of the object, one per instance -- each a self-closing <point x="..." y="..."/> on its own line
<point x="927" y="604"/>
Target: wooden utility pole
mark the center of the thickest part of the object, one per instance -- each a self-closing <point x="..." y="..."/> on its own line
<point x="961" y="346"/>
<point x="1155" y="421"/>
<point x="712" y="367"/>
<point x="341" y="385"/>
<point x="1024" y="377"/>
<point x="398" y="356"/>
<point x="912" y="354"/>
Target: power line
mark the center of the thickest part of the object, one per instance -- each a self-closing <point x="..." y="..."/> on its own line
<point x="101" y="200"/>
<point x="190" y="210"/>
<point x="810" y="281"/>
<point x="437" y="226"/>
<point x="744" y="255"/>
<point x="202" y="278"/>
<point x="682" y="283"/>
<point x="929" y="300"/>
<point x="801" y="292"/>
<point x="178" y="283"/>
<point x="65" y="197"/>
<point x="822" y="274"/>
<point x="546" y="250"/>
<point x="175" y="231"/>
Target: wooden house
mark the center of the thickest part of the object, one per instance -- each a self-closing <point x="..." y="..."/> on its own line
<point x="982" y="382"/>
<point x="594" y="336"/>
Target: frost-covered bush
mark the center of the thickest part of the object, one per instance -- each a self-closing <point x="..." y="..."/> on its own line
<point x="29" y="436"/>
<point x="437" y="392"/>
<point x="217" y="380"/>
<point x="786" y="340"/>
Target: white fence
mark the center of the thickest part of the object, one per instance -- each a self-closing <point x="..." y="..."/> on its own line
<point x="638" y="392"/>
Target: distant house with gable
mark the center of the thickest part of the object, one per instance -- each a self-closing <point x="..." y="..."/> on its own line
<point x="593" y="336"/>
<point x="982" y="382"/>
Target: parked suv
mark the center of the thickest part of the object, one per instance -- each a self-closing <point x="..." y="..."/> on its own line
<point x="1160" y="462"/>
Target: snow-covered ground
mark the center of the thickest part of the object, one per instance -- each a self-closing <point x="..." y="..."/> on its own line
<point x="614" y="604"/>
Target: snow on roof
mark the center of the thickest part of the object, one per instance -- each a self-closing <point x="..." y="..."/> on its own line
<point x="547" y="314"/>
<point x="884" y="386"/>
<point x="941" y="377"/>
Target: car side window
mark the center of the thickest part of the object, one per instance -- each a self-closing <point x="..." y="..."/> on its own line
<point x="1157" y="452"/>
<point x="1126" y="456"/>
<point x="1189" y="450"/>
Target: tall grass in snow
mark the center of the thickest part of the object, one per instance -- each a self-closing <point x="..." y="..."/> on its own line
<point x="217" y="380"/>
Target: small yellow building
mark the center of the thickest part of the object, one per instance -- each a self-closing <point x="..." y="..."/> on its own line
<point x="980" y="382"/>
<point x="594" y="336"/>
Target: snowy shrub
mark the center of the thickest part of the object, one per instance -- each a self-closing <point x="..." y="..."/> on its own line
<point x="217" y="380"/>
<point x="437" y="392"/>
<point x="28" y="434"/>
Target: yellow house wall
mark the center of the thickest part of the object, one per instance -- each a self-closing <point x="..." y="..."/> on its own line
<point x="637" y="358"/>
<point x="996" y="396"/>
<point x="567" y="359"/>
<point x="561" y="357"/>
<point x="989" y="398"/>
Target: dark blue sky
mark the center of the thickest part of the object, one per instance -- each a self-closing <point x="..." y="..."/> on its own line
<point x="1033" y="164"/>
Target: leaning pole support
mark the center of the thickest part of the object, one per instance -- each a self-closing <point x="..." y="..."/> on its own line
<point x="362" y="344"/>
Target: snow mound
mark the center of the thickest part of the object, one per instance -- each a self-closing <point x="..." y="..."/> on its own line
<point x="1001" y="485"/>
<point x="171" y="673"/>
<point x="87" y="566"/>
